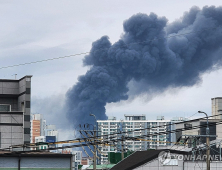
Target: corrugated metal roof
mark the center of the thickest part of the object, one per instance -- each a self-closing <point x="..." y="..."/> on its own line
<point x="141" y="157"/>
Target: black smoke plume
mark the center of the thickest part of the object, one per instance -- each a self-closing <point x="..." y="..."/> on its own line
<point x="153" y="54"/>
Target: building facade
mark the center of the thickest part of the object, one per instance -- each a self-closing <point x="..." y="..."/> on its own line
<point x="38" y="126"/>
<point x="76" y="159"/>
<point x="131" y="123"/>
<point x="33" y="161"/>
<point x="15" y="106"/>
<point x="167" y="160"/>
<point x="50" y="130"/>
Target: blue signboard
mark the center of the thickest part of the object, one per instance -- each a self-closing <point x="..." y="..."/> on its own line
<point x="50" y="139"/>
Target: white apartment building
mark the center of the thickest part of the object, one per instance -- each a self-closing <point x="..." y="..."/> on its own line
<point x="41" y="139"/>
<point x="131" y="123"/>
<point x="50" y="130"/>
<point x="76" y="159"/>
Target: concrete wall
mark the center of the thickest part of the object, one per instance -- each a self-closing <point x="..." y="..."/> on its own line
<point x="9" y="87"/>
<point x="11" y="101"/>
<point x="216" y="104"/>
<point x="219" y="131"/>
<point x="34" y="163"/>
<point x="24" y="104"/>
<point x="11" y="135"/>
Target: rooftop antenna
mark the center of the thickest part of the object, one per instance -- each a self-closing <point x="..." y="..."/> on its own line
<point x="14" y="75"/>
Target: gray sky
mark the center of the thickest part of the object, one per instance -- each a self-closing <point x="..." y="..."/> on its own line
<point x="36" y="30"/>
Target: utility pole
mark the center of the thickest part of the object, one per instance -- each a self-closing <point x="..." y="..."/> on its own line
<point x="208" y="146"/>
<point x="94" y="146"/>
<point x="207" y="142"/>
<point x="122" y="153"/>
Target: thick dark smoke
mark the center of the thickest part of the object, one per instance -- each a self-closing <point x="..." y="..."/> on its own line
<point x="144" y="55"/>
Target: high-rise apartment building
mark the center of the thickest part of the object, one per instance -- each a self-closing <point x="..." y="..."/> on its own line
<point x="38" y="126"/>
<point x="15" y="105"/>
<point x="134" y="122"/>
<point x="42" y="133"/>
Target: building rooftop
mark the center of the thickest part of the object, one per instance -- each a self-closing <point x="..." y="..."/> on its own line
<point x="15" y="80"/>
<point x="216" y="98"/>
<point x="33" y="154"/>
<point x="141" y="157"/>
<point x="126" y="115"/>
<point x="104" y="166"/>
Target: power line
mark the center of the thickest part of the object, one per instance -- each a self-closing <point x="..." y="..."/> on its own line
<point x="78" y="139"/>
<point x="117" y="140"/>
<point x="83" y="53"/>
<point x="149" y="128"/>
<point x="97" y="143"/>
<point x="120" y="133"/>
<point x="50" y="59"/>
<point x="177" y="130"/>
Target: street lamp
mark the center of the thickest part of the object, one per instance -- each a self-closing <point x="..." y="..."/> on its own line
<point x="94" y="146"/>
<point x="207" y="142"/>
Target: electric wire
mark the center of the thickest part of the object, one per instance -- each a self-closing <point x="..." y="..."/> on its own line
<point x="120" y="133"/>
<point x="91" y="142"/>
<point x="84" y="53"/>
<point x="88" y="145"/>
<point x="116" y="140"/>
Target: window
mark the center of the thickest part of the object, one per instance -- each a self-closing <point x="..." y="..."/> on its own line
<point x="5" y="108"/>
<point x="112" y="149"/>
<point x="26" y="117"/>
<point x="27" y="104"/>
<point x="26" y="130"/>
<point x="28" y="91"/>
<point x="188" y="126"/>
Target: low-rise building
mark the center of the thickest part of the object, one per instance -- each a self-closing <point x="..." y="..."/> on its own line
<point x="15" y="106"/>
<point x="167" y="160"/>
<point x="35" y="161"/>
<point x="87" y="161"/>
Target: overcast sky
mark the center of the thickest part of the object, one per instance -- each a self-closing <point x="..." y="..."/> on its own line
<point x="37" y="30"/>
